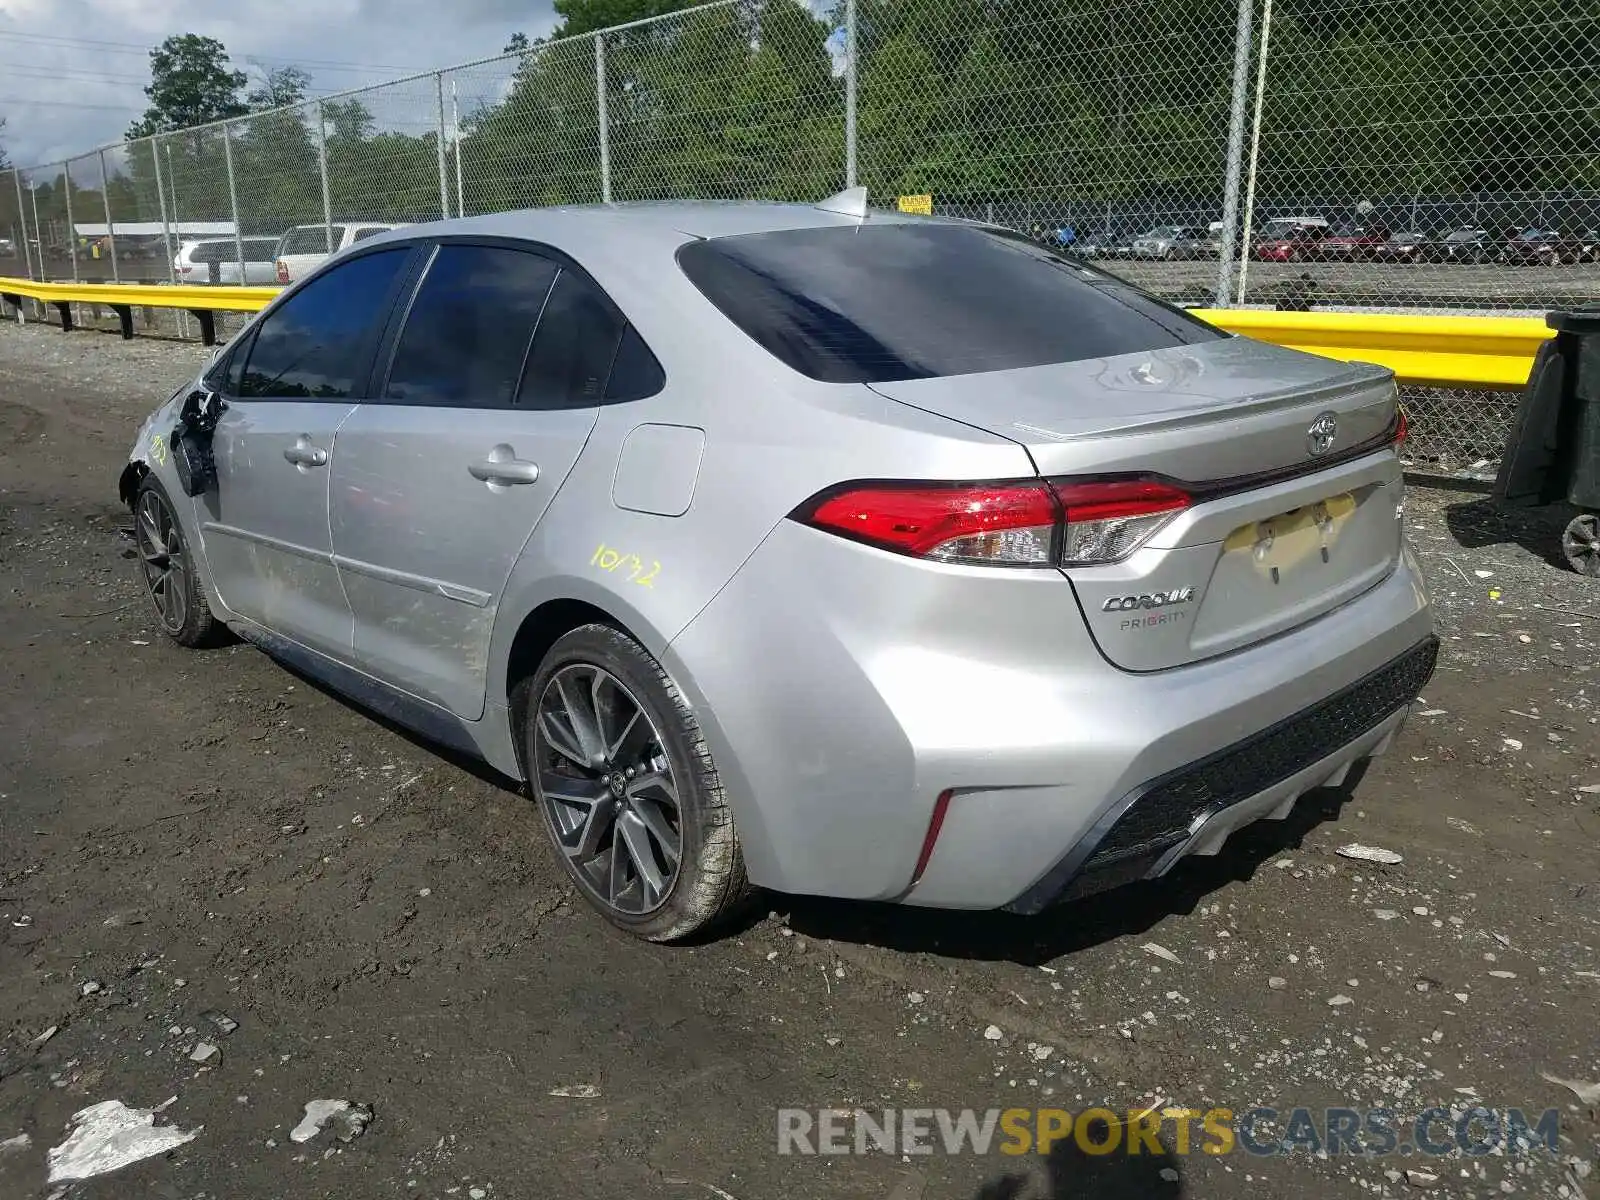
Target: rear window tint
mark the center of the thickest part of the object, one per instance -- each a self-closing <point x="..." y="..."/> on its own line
<point x="635" y="372"/>
<point x="875" y="303"/>
<point x="469" y="327"/>
<point x="573" y="348"/>
<point x="310" y="239"/>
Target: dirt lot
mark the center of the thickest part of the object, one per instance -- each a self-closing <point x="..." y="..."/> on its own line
<point x="205" y="832"/>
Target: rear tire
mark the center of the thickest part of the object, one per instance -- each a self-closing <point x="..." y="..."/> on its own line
<point x="627" y="788"/>
<point x="170" y="573"/>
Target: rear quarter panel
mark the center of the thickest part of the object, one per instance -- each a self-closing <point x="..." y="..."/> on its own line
<point x="771" y="439"/>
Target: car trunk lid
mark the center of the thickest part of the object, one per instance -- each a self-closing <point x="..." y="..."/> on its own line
<point x="1295" y="509"/>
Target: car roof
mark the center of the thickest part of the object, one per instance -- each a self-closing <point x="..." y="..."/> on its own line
<point x="660" y="222"/>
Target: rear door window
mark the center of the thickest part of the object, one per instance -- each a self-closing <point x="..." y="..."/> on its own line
<point x="635" y="372"/>
<point x="574" y="347"/>
<point x="318" y="343"/>
<point x="467" y="334"/>
<point x="875" y="303"/>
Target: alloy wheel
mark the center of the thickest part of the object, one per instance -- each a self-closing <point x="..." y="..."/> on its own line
<point x="608" y="789"/>
<point x="166" y="568"/>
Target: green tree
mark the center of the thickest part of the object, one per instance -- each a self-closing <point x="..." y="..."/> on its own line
<point x="588" y="16"/>
<point x="191" y="83"/>
<point x="279" y="86"/>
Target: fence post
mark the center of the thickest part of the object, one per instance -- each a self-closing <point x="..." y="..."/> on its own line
<point x="233" y="199"/>
<point x="444" y="178"/>
<point x="603" y="116"/>
<point x="27" y="259"/>
<point x="850" y="93"/>
<point x="1230" y="195"/>
<point x="38" y="230"/>
<point x="322" y="169"/>
<point x="161" y="200"/>
<point x="72" y="230"/>
<point x="455" y="124"/>
<point x="111" y="233"/>
<point x="1255" y="145"/>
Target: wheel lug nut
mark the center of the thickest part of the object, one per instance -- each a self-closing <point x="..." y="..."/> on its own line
<point x="629" y="773"/>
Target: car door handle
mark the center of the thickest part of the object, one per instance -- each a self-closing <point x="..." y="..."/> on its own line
<point x="304" y="454"/>
<point x="504" y="467"/>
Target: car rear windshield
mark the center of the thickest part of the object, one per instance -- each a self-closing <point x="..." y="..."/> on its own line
<point x="310" y="239"/>
<point x="875" y="303"/>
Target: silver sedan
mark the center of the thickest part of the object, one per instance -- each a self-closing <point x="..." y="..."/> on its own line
<point x="831" y="551"/>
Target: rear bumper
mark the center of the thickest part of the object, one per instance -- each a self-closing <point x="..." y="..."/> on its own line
<point x="1193" y="810"/>
<point x="842" y="690"/>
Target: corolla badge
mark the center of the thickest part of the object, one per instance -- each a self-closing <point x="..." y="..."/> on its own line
<point x="1322" y="434"/>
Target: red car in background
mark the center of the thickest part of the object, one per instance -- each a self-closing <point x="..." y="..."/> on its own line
<point x="1350" y="243"/>
<point x="1294" y="244"/>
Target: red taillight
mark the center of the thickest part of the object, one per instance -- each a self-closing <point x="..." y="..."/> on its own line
<point x="1402" y="426"/>
<point x="283" y="271"/>
<point x="1011" y="523"/>
<point x="1033" y="523"/>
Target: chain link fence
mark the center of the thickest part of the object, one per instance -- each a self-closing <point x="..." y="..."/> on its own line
<point x="1381" y="154"/>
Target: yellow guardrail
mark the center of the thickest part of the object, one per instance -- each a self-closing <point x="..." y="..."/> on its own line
<point x="203" y="302"/>
<point x="1466" y="352"/>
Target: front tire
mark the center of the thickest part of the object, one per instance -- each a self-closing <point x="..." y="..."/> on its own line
<point x="627" y="789"/>
<point x="169" y="570"/>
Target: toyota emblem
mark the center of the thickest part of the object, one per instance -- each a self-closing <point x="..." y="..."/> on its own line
<point x="1320" y="437"/>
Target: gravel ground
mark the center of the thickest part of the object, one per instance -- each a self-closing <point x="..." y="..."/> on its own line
<point x="184" y="835"/>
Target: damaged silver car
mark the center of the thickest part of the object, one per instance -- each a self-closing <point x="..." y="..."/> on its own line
<point x="839" y="552"/>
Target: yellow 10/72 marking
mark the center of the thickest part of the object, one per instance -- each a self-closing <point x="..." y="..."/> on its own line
<point x="158" y="449"/>
<point x="608" y="558"/>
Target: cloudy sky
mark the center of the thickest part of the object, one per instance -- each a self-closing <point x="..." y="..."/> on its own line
<point x="72" y="71"/>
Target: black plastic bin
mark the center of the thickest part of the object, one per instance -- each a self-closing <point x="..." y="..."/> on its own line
<point x="1553" y="454"/>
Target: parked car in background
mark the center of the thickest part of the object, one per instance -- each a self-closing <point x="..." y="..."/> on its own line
<point x="303" y="247"/>
<point x="1034" y="554"/>
<point x="134" y="247"/>
<point x="1280" y="227"/>
<point x="1545" y="248"/>
<point x="1352" y="243"/>
<point x="1103" y="249"/>
<point x="1467" y="244"/>
<point x="216" y="260"/>
<point x="1409" y="247"/>
<point x="1295" y="243"/>
<point x="1171" y="241"/>
<point x="7" y="247"/>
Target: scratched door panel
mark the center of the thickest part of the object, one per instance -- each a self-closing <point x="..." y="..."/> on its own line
<point x="492" y="389"/>
<point x="424" y="546"/>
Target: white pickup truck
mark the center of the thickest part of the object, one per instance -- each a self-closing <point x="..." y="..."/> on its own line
<point x="303" y="247"/>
